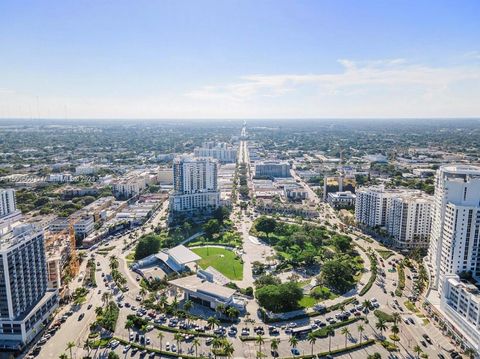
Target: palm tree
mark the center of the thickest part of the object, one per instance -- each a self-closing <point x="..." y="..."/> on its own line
<point x="163" y="302"/>
<point x="196" y="344"/>
<point x="129" y="326"/>
<point x="360" y="329"/>
<point x="417" y="350"/>
<point x="345" y="332"/>
<point x="396" y="317"/>
<point x="330" y="332"/>
<point x="212" y="322"/>
<point x="160" y="336"/>
<point x="380" y="325"/>
<point x="178" y="338"/>
<point x="63" y="356"/>
<point x="274" y="344"/>
<point x="311" y="339"/>
<point x="395" y="331"/>
<point x="143" y="292"/>
<point x="87" y="345"/>
<point x="217" y="343"/>
<point x="70" y="346"/>
<point x="260" y="341"/>
<point x="293" y="341"/>
<point x="220" y="309"/>
<point x="228" y="349"/>
<point x="367" y="304"/>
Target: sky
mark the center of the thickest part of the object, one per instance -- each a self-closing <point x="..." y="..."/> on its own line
<point x="142" y="59"/>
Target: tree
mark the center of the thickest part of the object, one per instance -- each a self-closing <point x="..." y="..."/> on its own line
<point x="345" y="332"/>
<point x="232" y="312"/>
<point x="212" y="322"/>
<point x="337" y="275"/>
<point x="360" y="329"/>
<point x="331" y="333"/>
<point x="196" y="344"/>
<point x="217" y="343"/>
<point x="87" y="345"/>
<point x="311" y="339"/>
<point x="220" y="309"/>
<point x="367" y="304"/>
<point x="129" y="325"/>
<point x="396" y="317"/>
<point x="178" y="338"/>
<point x="228" y="349"/>
<point x="63" y="356"/>
<point x="147" y="245"/>
<point x="374" y="356"/>
<point x="113" y="355"/>
<point x="417" y="350"/>
<point x="160" y="337"/>
<point x="260" y="341"/>
<point x="274" y="344"/>
<point x="221" y="214"/>
<point x="266" y="225"/>
<point x="70" y="346"/>
<point x="211" y="227"/>
<point x="342" y="243"/>
<point x="279" y="298"/>
<point x="381" y="326"/>
<point x="293" y="341"/>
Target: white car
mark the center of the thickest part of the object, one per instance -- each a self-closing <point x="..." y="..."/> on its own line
<point x="126" y="348"/>
<point x="114" y="344"/>
<point x="167" y="346"/>
<point x="174" y="348"/>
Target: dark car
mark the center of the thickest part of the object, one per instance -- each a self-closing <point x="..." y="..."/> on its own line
<point x="427" y="338"/>
<point x="80" y="317"/>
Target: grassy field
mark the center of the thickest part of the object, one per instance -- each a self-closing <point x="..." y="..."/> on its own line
<point x="223" y="260"/>
<point x="307" y="302"/>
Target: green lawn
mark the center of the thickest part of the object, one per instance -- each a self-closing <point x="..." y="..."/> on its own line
<point x="223" y="260"/>
<point x="307" y="302"/>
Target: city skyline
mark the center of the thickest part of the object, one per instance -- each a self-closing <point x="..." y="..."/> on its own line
<point x="171" y="60"/>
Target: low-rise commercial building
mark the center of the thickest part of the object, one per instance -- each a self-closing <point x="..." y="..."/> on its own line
<point x="460" y="301"/>
<point x="344" y="199"/>
<point x="200" y="291"/>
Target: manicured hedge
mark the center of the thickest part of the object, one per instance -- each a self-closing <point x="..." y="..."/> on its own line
<point x="373" y="275"/>
<point x="323" y="332"/>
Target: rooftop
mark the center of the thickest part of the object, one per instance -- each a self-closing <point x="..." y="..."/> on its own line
<point x="182" y="254"/>
<point x="195" y="284"/>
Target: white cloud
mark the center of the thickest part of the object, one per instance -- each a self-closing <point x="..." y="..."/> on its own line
<point x="379" y="88"/>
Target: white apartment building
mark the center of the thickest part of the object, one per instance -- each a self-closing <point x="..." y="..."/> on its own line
<point x="372" y="203"/>
<point x="404" y="213"/>
<point x="128" y="187"/>
<point x="272" y="169"/>
<point x="454" y="241"/>
<point x="460" y="301"/>
<point x="8" y="203"/>
<point x="409" y="220"/>
<point x="25" y="300"/>
<point x="222" y="152"/>
<point x="195" y="184"/>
